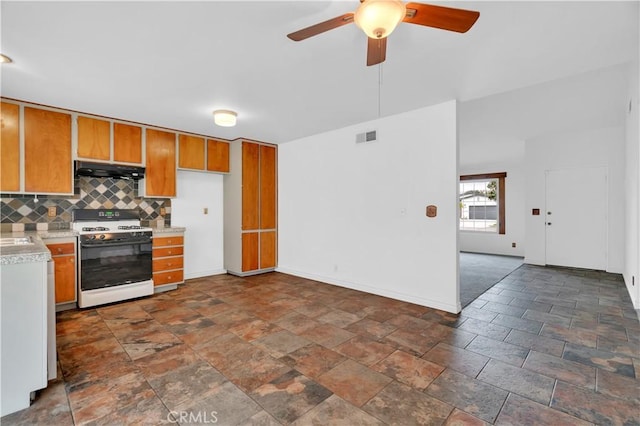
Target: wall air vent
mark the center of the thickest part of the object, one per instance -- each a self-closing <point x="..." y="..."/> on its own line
<point x="370" y="136"/>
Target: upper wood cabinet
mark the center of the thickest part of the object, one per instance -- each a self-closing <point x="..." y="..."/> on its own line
<point x="95" y="141"/>
<point x="267" y="187"/>
<point x="160" y="175"/>
<point x="94" y="138"/>
<point x="10" y="147"/>
<point x="217" y="156"/>
<point x="47" y="151"/>
<point x="250" y="186"/>
<point x="191" y="152"/>
<point x="195" y="154"/>
<point x="127" y="143"/>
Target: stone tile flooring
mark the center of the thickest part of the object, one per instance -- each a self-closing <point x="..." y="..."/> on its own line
<point x="543" y="346"/>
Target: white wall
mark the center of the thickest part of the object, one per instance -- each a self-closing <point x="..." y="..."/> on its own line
<point x="493" y="157"/>
<point x="203" y="250"/>
<point x="354" y="214"/>
<point x="588" y="148"/>
<point x="632" y="189"/>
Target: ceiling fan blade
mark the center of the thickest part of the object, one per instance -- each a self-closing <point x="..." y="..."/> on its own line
<point x="376" y="50"/>
<point x="316" y="29"/>
<point x="445" y="18"/>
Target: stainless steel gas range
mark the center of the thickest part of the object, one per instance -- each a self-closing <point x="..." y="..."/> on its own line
<point x="115" y="255"/>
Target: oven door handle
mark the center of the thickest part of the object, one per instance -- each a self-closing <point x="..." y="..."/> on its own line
<point x="124" y="243"/>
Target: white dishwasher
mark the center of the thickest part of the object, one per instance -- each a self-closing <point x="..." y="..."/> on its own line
<point x="24" y="318"/>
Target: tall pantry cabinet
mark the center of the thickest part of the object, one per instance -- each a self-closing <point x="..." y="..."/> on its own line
<point x="250" y="209"/>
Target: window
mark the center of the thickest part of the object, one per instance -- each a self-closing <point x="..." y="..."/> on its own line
<point x="482" y="203"/>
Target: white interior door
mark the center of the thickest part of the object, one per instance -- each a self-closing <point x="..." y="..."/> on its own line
<point x="576" y="218"/>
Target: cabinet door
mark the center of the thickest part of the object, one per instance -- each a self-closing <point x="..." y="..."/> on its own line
<point x="250" y="185"/>
<point x="65" y="269"/>
<point x="217" y="156"/>
<point x="47" y="151"/>
<point x="10" y="147"/>
<point x="160" y="175"/>
<point x="267" y="187"/>
<point x="268" y="249"/>
<point x="127" y="143"/>
<point x="249" y="251"/>
<point x="191" y="152"/>
<point x="94" y="138"/>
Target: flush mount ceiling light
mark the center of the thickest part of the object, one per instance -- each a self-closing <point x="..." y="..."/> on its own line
<point x="5" y="59"/>
<point x="225" y="117"/>
<point x="378" y="18"/>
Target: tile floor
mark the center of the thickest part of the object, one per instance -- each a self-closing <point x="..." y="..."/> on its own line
<point x="543" y="346"/>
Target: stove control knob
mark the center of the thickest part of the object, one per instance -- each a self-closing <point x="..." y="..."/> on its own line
<point x="102" y="236"/>
<point x="93" y="237"/>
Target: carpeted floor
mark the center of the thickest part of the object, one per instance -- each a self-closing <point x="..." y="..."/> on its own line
<point x="479" y="272"/>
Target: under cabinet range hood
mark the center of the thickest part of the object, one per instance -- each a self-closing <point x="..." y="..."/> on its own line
<point x="117" y="171"/>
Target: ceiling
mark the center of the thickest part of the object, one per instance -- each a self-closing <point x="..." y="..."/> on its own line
<point x="171" y="64"/>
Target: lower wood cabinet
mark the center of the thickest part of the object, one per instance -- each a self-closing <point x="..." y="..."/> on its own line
<point x="168" y="259"/>
<point x="63" y="253"/>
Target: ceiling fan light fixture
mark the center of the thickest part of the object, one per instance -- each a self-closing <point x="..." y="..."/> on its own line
<point x="378" y="18"/>
<point x="4" y="59"/>
<point x="225" y="117"/>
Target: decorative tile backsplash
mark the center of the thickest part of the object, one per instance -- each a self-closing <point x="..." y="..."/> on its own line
<point x="91" y="193"/>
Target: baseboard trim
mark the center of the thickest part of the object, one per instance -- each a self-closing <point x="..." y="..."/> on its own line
<point x="201" y="274"/>
<point x="374" y="290"/>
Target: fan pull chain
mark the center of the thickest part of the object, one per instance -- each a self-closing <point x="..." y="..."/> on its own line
<point x="379" y="87"/>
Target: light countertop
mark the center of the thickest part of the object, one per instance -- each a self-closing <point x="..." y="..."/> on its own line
<point x="168" y="230"/>
<point x="24" y="253"/>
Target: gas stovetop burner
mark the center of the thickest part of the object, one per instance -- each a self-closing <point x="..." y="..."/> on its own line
<point x="95" y="228"/>
<point x="130" y="227"/>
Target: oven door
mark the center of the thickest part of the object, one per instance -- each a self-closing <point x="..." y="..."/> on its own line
<point x="105" y="264"/>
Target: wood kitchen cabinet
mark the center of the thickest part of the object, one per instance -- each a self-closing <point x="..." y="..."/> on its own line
<point x="63" y="253"/>
<point x="160" y="174"/>
<point x="47" y="152"/>
<point x="195" y="154"/>
<point x="191" y="152"/>
<point x="168" y="260"/>
<point x="94" y="138"/>
<point x="9" y="147"/>
<point x="96" y="143"/>
<point x="250" y="209"/>
<point x="217" y="156"/>
<point x="127" y="143"/>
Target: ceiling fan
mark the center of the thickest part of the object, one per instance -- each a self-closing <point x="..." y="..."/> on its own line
<point x="378" y="18"/>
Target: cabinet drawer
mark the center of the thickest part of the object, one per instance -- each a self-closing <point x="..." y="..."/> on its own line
<point x="168" y="241"/>
<point x="162" y="278"/>
<point x="168" y="263"/>
<point x="167" y="251"/>
<point x="61" y="249"/>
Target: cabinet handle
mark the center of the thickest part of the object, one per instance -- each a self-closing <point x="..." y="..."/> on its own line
<point x="169" y="241"/>
<point x="169" y="251"/>
<point x="59" y="250"/>
<point x="169" y="264"/>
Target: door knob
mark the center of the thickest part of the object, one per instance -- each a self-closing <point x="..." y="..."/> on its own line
<point x="549" y="223"/>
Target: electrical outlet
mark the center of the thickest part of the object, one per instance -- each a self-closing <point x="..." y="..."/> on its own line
<point x="206" y="210"/>
<point x="163" y="211"/>
<point x="52" y="211"/>
<point x="513" y="245"/>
